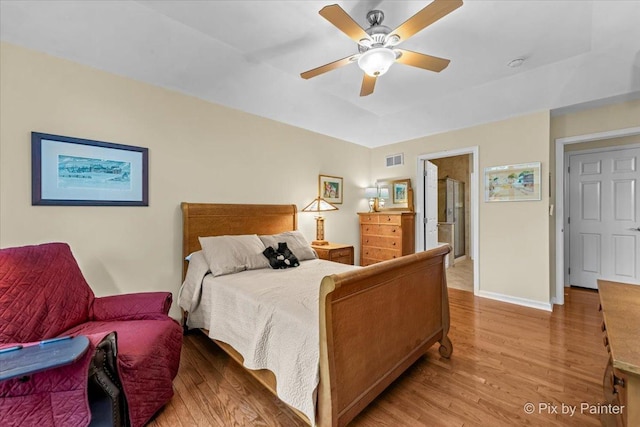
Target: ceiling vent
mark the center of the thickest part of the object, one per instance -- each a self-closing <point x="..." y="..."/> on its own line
<point x="395" y="160"/>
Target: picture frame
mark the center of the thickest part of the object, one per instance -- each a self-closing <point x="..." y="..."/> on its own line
<point x="67" y="171"/>
<point x="512" y="183"/>
<point x="330" y="188"/>
<point x="400" y="191"/>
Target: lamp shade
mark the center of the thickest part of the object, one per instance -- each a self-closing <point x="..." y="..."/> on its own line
<point x="319" y="205"/>
<point x="370" y="192"/>
<point x="375" y="62"/>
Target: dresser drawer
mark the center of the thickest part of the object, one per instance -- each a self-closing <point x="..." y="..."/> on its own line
<point x="390" y="219"/>
<point x="387" y="242"/>
<point x="381" y="219"/>
<point x="380" y="230"/>
<point x="343" y="260"/>
<point x="340" y="253"/>
<point x="380" y="253"/>
<point x="368" y="219"/>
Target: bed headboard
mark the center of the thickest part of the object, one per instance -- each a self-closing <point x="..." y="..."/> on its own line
<point x="217" y="219"/>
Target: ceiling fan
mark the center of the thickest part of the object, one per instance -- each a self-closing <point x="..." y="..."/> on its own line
<point x="377" y="44"/>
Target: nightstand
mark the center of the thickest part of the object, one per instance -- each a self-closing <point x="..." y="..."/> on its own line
<point x="335" y="252"/>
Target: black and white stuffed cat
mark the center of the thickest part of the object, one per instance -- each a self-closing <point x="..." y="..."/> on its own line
<point x="282" y="257"/>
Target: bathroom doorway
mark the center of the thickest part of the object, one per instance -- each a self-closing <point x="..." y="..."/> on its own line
<point x="457" y="213"/>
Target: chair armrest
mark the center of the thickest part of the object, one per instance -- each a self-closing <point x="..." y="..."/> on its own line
<point x="139" y="306"/>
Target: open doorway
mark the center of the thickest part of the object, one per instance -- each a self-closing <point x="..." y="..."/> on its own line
<point x="457" y="211"/>
<point x="562" y="239"/>
<point x="454" y="217"/>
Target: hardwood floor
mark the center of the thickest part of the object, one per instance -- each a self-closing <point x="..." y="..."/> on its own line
<point x="504" y="357"/>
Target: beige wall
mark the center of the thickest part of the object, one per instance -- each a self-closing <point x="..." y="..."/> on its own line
<point x="610" y="117"/>
<point x="513" y="241"/>
<point x="198" y="152"/>
<point x="603" y="119"/>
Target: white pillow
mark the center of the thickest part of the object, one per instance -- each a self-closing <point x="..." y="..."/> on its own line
<point x="295" y="242"/>
<point x="231" y="254"/>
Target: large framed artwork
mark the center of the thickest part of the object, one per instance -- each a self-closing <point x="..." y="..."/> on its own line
<point x="81" y="172"/>
<point x="512" y="183"/>
<point x="330" y="188"/>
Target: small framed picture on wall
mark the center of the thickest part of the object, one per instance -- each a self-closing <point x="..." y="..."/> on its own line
<point x="330" y="188"/>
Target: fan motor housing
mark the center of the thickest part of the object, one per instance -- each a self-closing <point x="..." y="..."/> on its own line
<point x="378" y="34"/>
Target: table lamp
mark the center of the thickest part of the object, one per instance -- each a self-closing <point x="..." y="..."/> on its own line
<point x="371" y="193"/>
<point x="384" y="194"/>
<point x="319" y="205"/>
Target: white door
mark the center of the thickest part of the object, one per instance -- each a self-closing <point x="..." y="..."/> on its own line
<point x="603" y="217"/>
<point x="430" y="205"/>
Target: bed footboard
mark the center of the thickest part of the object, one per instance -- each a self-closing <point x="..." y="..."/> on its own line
<point x="374" y="323"/>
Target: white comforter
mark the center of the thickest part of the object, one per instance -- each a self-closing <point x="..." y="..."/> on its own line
<point x="269" y="316"/>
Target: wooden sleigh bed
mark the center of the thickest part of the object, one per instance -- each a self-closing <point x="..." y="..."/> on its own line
<point x="375" y="321"/>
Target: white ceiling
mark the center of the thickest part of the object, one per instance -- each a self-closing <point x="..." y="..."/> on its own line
<point x="248" y="55"/>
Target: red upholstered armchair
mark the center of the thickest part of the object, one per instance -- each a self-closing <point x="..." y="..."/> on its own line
<point x="134" y="347"/>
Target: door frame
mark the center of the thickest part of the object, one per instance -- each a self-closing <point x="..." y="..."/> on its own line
<point x="474" y="198"/>
<point x="562" y="191"/>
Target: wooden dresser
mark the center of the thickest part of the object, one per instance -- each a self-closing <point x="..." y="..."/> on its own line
<point x="386" y="235"/>
<point x="620" y="306"/>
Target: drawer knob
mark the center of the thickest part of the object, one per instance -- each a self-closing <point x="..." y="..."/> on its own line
<point x="393" y="244"/>
<point x="388" y="218"/>
<point x="393" y="230"/>
<point x="603" y="326"/>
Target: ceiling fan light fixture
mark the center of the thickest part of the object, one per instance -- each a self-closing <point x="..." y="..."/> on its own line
<point x="375" y="62"/>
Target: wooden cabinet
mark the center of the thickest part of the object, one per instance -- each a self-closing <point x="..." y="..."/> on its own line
<point x="386" y="235"/>
<point x="335" y="252"/>
<point x="620" y="306"/>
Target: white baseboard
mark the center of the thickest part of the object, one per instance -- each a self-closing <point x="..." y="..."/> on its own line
<point x="515" y="300"/>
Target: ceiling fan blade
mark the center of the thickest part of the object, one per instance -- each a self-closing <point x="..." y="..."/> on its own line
<point x="368" y="83"/>
<point x="427" y="16"/>
<point x="420" y="60"/>
<point x="328" y="67"/>
<point x="345" y="23"/>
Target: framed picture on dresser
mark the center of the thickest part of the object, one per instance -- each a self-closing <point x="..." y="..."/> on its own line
<point x="400" y="191"/>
